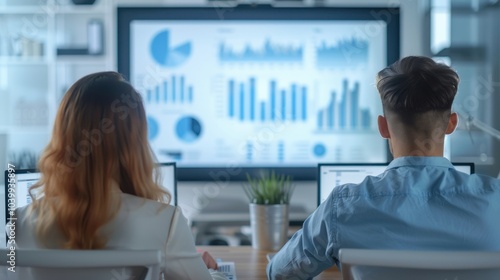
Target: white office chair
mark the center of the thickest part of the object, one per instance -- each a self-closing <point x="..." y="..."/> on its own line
<point x="358" y="264"/>
<point x="82" y="265"/>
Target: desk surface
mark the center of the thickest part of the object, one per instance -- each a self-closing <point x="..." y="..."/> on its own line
<point x="251" y="263"/>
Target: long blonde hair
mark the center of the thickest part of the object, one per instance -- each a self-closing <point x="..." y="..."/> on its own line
<point x="99" y="139"/>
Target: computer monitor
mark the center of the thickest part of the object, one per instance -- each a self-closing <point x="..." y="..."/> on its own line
<point x="24" y="178"/>
<point x="169" y="179"/>
<point x="16" y="193"/>
<point x="331" y="175"/>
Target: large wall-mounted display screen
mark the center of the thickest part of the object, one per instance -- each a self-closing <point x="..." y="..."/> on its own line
<point x="259" y="86"/>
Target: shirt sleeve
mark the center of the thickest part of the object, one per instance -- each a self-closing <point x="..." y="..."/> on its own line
<point x="182" y="261"/>
<point x="310" y="250"/>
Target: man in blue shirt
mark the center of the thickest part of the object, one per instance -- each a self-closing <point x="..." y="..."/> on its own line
<point x="419" y="202"/>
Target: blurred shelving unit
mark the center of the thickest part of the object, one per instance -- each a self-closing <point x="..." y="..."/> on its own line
<point x="45" y="45"/>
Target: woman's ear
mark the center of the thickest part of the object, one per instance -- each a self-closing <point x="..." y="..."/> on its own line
<point x="383" y="128"/>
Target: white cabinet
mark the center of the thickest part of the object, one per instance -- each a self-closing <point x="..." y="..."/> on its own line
<point x="44" y="48"/>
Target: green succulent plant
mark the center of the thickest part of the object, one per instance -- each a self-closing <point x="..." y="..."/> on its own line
<point x="269" y="189"/>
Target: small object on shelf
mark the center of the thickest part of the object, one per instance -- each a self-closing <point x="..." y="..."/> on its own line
<point x="95" y="31"/>
<point x="464" y="53"/>
<point x="83" y="2"/>
<point x="72" y="51"/>
<point x="95" y="41"/>
<point x="30" y="47"/>
<point x="31" y="113"/>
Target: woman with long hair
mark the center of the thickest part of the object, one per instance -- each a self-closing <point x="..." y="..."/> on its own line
<point x="99" y="186"/>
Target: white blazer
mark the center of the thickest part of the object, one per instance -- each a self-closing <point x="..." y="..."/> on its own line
<point x="140" y="224"/>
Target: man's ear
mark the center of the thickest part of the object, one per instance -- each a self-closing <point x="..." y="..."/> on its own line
<point x="452" y="123"/>
<point x="383" y="128"/>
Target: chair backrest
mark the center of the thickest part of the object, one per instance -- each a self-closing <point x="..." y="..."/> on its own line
<point x="80" y="264"/>
<point x="358" y="264"/>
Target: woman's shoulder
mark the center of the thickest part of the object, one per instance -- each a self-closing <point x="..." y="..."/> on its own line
<point x="25" y="214"/>
<point x="146" y="206"/>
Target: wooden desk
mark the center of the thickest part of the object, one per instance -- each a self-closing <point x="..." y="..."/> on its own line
<point x="251" y="263"/>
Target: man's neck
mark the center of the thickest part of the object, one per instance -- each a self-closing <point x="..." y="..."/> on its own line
<point x="424" y="148"/>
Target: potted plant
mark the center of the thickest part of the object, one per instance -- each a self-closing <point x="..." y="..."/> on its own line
<point x="269" y="197"/>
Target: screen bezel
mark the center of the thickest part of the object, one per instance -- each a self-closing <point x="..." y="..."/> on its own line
<point x="126" y="15"/>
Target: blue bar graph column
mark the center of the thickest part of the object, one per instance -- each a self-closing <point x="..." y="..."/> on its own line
<point x="173" y="89"/>
<point x="242" y="102"/>
<point x="294" y="102"/>
<point x="252" y="99"/>
<point x="149" y="96"/>
<point x="165" y="91"/>
<point x="365" y="118"/>
<point x="304" y="103"/>
<point x="182" y="89"/>
<point x="157" y="93"/>
<point x="231" y="98"/>
<point x="331" y="112"/>
<point x="190" y="94"/>
<point x="355" y="106"/>
<point x="283" y="105"/>
<point x="320" y="119"/>
<point x="262" y="111"/>
<point x="273" y="100"/>
<point x="343" y="107"/>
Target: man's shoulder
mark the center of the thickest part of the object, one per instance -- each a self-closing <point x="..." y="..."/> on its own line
<point x="406" y="180"/>
<point x="371" y="185"/>
<point x="484" y="181"/>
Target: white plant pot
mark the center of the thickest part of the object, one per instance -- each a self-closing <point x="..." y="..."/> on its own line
<point x="269" y="226"/>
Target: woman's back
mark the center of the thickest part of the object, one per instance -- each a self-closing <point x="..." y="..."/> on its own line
<point x="139" y="224"/>
<point x="100" y="187"/>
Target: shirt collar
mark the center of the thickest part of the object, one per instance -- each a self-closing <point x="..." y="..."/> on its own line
<point x="420" y="161"/>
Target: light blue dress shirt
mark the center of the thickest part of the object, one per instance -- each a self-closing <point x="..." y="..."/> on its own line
<point x="418" y="203"/>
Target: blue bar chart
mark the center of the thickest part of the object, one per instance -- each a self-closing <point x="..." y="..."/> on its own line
<point x="345" y="114"/>
<point x="289" y="105"/>
<point x="350" y="52"/>
<point x="172" y="90"/>
<point x="269" y="52"/>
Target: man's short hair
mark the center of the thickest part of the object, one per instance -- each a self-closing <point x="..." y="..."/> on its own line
<point x="416" y="85"/>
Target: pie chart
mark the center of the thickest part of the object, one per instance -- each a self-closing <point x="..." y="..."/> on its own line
<point x="319" y="150"/>
<point x="153" y="128"/>
<point x="188" y="129"/>
<point x="165" y="54"/>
